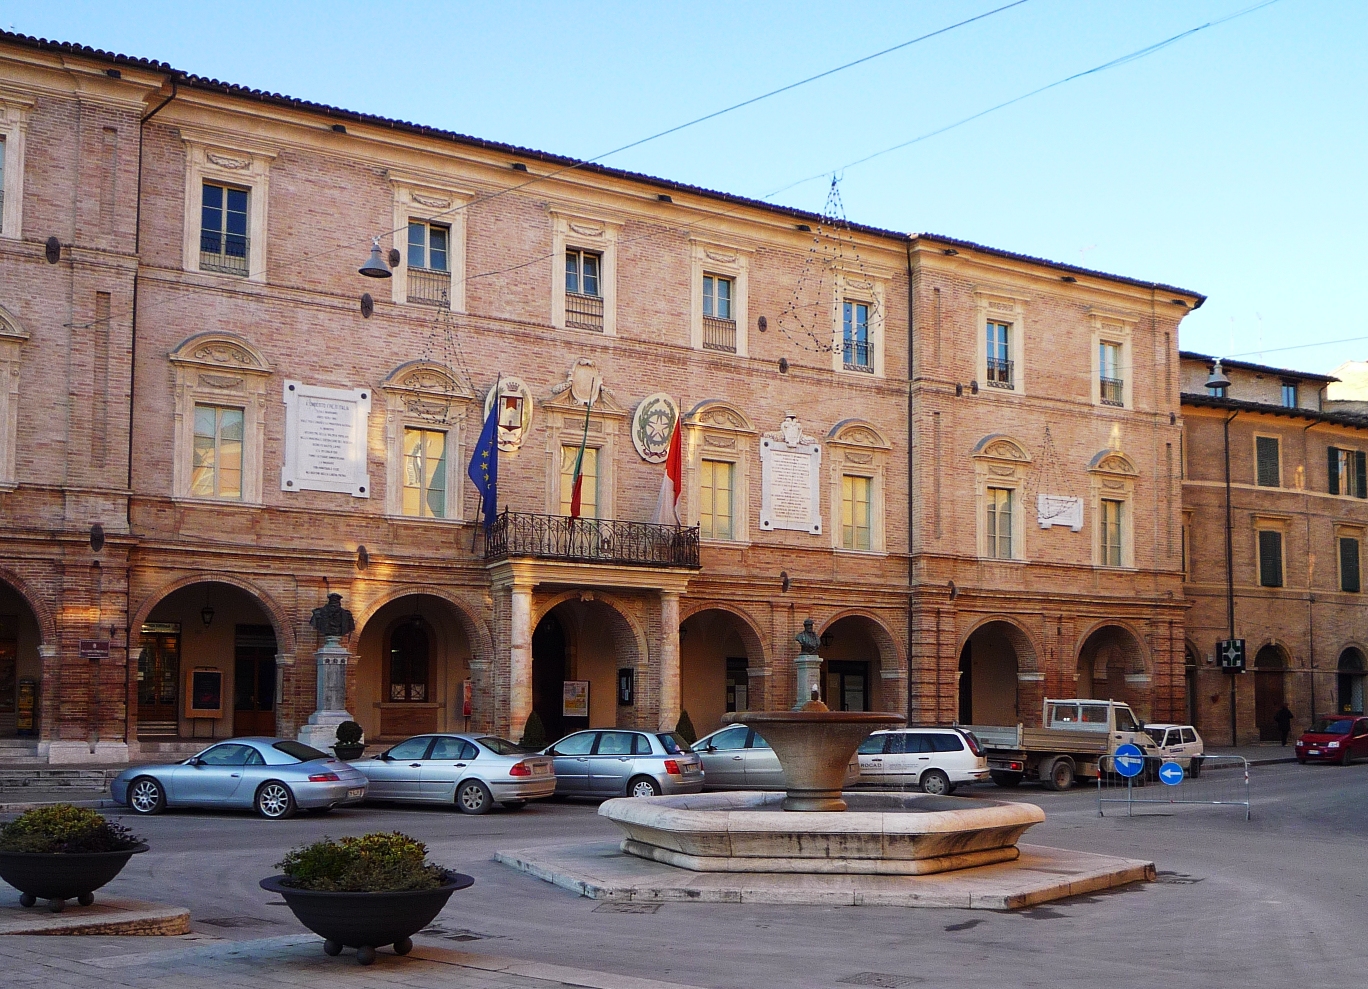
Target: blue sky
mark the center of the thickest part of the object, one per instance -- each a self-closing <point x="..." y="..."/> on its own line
<point x="1230" y="163"/>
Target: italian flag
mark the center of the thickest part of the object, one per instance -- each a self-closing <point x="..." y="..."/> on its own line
<point x="667" y="507"/>
<point x="577" y="485"/>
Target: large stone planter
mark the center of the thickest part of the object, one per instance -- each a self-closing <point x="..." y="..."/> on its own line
<point x="365" y="921"/>
<point x="61" y="876"/>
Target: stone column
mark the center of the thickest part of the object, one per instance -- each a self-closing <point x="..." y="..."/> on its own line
<point x="520" y="660"/>
<point x="330" y="706"/>
<point x="670" y="688"/>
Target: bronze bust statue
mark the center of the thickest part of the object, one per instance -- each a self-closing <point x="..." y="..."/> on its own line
<point x="807" y="639"/>
<point x="332" y="619"/>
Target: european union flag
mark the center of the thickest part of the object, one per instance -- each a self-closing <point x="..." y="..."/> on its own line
<point x="484" y="464"/>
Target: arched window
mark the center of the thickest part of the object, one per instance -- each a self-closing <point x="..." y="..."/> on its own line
<point x="408" y="663"/>
<point x="1349" y="692"/>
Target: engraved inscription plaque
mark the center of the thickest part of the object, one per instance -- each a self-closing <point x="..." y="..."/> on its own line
<point x="325" y="439"/>
<point x="789" y="486"/>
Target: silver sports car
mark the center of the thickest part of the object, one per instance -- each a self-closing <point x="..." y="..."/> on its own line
<point x="274" y="775"/>
<point x="469" y="771"/>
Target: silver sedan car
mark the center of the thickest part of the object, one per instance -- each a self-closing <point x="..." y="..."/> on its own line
<point x="617" y="762"/>
<point x="738" y="758"/>
<point x="274" y="775"/>
<point x="470" y="771"/>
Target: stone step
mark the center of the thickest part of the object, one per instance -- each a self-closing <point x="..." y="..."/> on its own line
<point x="86" y="778"/>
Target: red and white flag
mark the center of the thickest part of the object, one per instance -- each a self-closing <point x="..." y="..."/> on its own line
<point x="667" y="507"/>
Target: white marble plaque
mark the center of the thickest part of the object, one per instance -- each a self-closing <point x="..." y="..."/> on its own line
<point x="325" y="439"/>
<point x="789" y="485"/>
<point x="1052" y="510"/>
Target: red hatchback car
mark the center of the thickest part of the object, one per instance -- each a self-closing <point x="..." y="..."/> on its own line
<point x="1339" y="739"/>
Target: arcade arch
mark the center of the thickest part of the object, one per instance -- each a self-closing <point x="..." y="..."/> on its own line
<point x="585" y="639"/>
<point x="718" y="648"/>
<point x="1112" y="666"/>
<point x="856" y="651"/>
<point x="991" y="661"/>
<point x="1270" y="668"/>
<point x="21" y="663"/>
<point x="1349" y="676"/>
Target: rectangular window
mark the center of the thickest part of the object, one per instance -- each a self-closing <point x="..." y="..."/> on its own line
<point x="1270" y="558"/>
<point x="427" y="245"/>
<point x="1111" y="532"/>
<point x="1347" y="472"/>
<point x="583" y="300"/>
<point x="223" y="229"/>
<point x="999" y="523"/>
<point x="1269" y="474"/>
<point x="717" y="297"/>
<point x="2" y="185"/>
<point x="999" y="370"/>
<point x="855" y="511"/>
<point x="1349" y="564"/>
<point x="715" y="484"/>
<point x="1217" y="391"/>
<point x="1289" y="394"/>
<point x="216" y="469"/>
<point x="425" y="473"/>
<point x="1111" y="384"/>
<point x="856" y="352"/>
<point x="589" y="486"/>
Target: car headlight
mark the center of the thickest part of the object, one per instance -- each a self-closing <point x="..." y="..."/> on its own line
<point x="1333" y="745"/>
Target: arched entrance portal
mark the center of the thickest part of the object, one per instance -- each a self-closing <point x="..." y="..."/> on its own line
<point x="1190" y="667"/>
<point x="856" y="650"/>
<point x="413" y="668"/>
<point x="587" y="669"/>
<point x="717" y="651"/>
<point x="549" y="673"/>
<point x="989" y="665"/>
<point x="206" y="665"/>
<point x="1269" y="666"/>
<point x="21" y="670"/>
<point x="1111" y="666"/>
<point x="1349" y="682"/>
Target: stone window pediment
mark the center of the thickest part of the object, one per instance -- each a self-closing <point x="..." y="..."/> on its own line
<point x="1001" y="447"/>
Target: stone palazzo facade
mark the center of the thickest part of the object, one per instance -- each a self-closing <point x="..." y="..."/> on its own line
<point x="964" y="465"/>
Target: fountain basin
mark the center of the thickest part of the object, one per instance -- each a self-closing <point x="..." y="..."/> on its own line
<point x="879" y="834"/>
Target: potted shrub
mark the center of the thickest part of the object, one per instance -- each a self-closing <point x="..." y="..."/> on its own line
<point x="61" y="853"/>
<point x="364" y="892"/>
<point x="350" y="741"/>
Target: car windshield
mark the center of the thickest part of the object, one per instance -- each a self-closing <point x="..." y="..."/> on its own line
<point x="501" y="745"/>
<point x="1157" y="734"/>
<point x="300" y="751"/>
<point x="674" y="743"/>
<point x="1333" y="726"/>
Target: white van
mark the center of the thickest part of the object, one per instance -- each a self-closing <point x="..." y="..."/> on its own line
<point x="1180" y="744"/>
<point x="934" y="759"/>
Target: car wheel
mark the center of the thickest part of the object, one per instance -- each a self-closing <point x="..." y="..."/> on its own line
<point x="1005" y="779"/>
<point x="1346" y="757"/>
<point x="275" y="801"/>
<point x="473" y="797"/>
<point x="514" y="804"/>
<point x="1301" y="760"/>
<point x="642" y="786"/>
<point x="935" y="783"/>
<point x="146" y="796"/>
<point x="1195" y="767"/>
<point x="1059" y="775"/>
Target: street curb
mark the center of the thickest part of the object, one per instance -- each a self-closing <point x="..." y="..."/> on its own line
<point x="18" y="807"/>
<point x="112" y="915"/>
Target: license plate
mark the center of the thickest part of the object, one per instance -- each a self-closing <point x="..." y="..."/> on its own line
<point x="356" y="791"/>
<point x="540" y="769"/>
<point x="689" y="768"/>
<point x="1313" y="751"/>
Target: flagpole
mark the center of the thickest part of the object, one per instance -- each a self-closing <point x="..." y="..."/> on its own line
<point x="475" y="530"/>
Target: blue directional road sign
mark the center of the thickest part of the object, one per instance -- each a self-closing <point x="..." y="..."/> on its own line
<point x="1171" y="773"/>
<point x="1129" y="760"/>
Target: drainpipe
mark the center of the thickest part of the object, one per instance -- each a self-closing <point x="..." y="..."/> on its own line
<point x="1310" y="591"/>
<point x="1230" y="570"/>
<point x="911" y="307"/>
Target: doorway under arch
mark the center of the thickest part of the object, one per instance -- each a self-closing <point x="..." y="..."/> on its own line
<point x="989" y="665"/>
<point x="856" y="651"/>
<point x="21" y="665"/>
<point x="1111" y="666"/>
<point x="587" y="642"/>
<point x="1349" y="677"/>
<point x="717" y="651"/>
<point x="1270" y="665"/>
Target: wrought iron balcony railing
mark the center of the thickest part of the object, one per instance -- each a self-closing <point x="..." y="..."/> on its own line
<point x="858" y="355"/>
<point x="559" y="537"/>
<point x="719" y="334"/>
<point x="226" y="253"/>
<point x="999" y="373"/>
<point x="429" y="287"/>
<point x="584" y="311"/>
<point x="1113" y="391"/>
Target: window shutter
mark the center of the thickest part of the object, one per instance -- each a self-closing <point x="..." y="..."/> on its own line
<point x="1349" y="565"/>
<point x="1266" y="450"/>
<point x="1270" y="558"/>
<point x="1332" y="469"/>
<point x="1361" y="474"/>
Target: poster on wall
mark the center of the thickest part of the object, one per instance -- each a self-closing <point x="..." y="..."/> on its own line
<point x="626" y="686"/>
<point x="575" y="700"/>
<point x="467" y="697"/>
<point x="26" y="723"/>
<point x="204" y="698"/>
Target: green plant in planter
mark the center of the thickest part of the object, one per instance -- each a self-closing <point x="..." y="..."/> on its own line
<point x="371" y="863"/>
<point x="350" y="733"/>
<point x="534" y="734"/>
<point x="685" y="728"/>
<point x="64" y="828"/>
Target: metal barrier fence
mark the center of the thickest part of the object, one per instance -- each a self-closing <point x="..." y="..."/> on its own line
<point x="1212" y="780"/>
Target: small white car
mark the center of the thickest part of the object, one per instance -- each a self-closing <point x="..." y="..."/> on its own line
<point x="934" y="759"/>
<point x="1178" y="743"/>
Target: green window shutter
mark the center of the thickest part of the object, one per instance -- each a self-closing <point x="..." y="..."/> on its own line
<point x="1266" y="453"/>
<point x="1349" y="565"/>
<point x="1361" y="474"/>
<point x="1270" y="558"/>
<point x="1332" y="469"/>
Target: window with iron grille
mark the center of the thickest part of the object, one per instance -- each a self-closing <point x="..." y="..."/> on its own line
<point x="999" y="523"/>
<point x="583" y="298"/>
<point x="1270" y="558"/>
<point x="1349" y="564"/>
<point x="408" y="663"/>
<point x="223" y="229"/>
<point x="216" y="467"/>
<point x="856" y="514"/>
<point x="1346" y="472"/>
<point x="855" y="349"/>
<point x="716" y="479"/>
<point x="1268" y="468"/>
<point x="719" y="322"/>
<point x="425" y="473"/>
<point x="428" y="274"/>
<point x="1111" y="384"/>
<point x="998" y="373"/>
<point x="1111" y="532"/>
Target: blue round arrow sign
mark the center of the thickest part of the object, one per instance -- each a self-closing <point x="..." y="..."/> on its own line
<point x="1171" y="773"/>
<point x="1129" y="760"/>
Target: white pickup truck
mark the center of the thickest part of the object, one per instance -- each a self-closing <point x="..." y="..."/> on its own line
<point x="1077" y="733"/>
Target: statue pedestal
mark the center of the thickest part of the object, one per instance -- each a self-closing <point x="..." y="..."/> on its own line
<point x="331" y="703"/>
<point x="809" y="678"/>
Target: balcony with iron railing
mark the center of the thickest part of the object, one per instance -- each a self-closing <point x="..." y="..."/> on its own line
<point x="719" y="334"/>
<point x="223" y="252"/>
<point x="429" y="287"/>
<point x="584" y="312"/>
<point x="1113" y="391"/>
<point x="999" y="373"/>
<point x="858" y="355"/>
<point x="559" y="537"/>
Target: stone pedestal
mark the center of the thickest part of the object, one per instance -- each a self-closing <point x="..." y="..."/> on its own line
<point x="809" y="678"/>
<point x="331" y="704"/>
